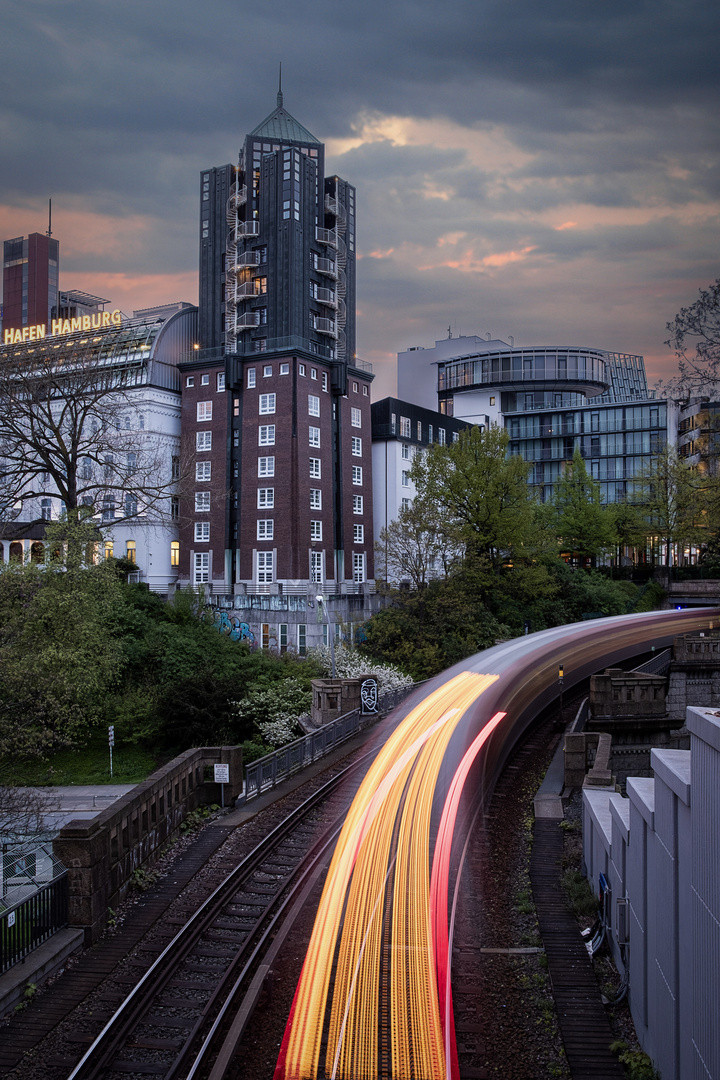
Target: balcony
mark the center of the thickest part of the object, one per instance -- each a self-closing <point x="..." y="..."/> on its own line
<point x="327" y="296"/>
<point x="326" y="236"/>
<point x="325" y="326"/>
<point x="248" y="258"/>
<point x="248" y="319"/>
<point x="248" y="289"/>
<point x="248" y="228"/>
<point x="327" y="267"/>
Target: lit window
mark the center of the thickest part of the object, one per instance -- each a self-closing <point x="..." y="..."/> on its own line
<point x="202" y="501"/>
<point x="315" y="468"/>
<point x="250" y="378"/>
<point x="202" y="470"/>
<point x="109" y="549"/>
<point x="314" y="436"/>
<point x="190" y="381"/>
<point x="313" y="405"/>
<point x="356" y="446"/>
<point x="220" y="381"/>
<point x="174" y="553"/>
<point x="356" y="416"/>
<point x="358" y="534"/>
<point x="266" y="466"/>
<point x="267" y="404"/>
<point x="204" y="380"/>
<point x="264" y="566"/>
<point x="492" y="400"/>
<point x="266" y="498"/>
<point x="202" y="567"/>
<point x="357" y="504"/>
<point x="203" y="440"/>
<point x="130" y="551"/>
<point x="202" y="532"/>
<point x="316" y="530"/>
<point x="265" y="528"/>
<point x="357" y="474"/>
<point x="358" y="566"/>
<point x="204" y="410"/>
<point x="315" y="499"/>
<point x="266" y="435"/>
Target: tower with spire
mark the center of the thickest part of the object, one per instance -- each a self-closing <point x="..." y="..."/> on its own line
<point x="281" y="441"/>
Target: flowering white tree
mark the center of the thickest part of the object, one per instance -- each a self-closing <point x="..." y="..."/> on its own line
<point x="350" y="664"/>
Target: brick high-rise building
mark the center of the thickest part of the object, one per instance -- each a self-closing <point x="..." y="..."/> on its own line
<point x="276" y="414"/>
<point x="30" y="281"/>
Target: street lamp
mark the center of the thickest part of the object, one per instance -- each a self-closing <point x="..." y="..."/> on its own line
<point x="561" y="675"/>
<point x="321" y="607"/>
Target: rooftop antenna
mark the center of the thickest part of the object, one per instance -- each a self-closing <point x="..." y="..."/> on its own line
<point x="449" y="333"/>
<point x="279" y="93"/>
<point x="49" y="228"/>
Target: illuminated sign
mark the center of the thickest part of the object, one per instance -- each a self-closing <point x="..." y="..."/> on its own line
<point x="64" y="326"/>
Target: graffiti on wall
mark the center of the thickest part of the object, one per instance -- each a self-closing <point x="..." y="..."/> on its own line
<point x="232" y="626"/>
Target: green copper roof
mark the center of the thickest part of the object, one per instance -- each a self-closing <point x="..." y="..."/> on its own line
<point x="283" y="127"/>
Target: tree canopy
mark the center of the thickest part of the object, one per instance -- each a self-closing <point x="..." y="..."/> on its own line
<point x="695" y="338"/>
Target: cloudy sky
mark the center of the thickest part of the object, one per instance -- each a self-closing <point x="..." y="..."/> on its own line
<point x="546" y="170"/>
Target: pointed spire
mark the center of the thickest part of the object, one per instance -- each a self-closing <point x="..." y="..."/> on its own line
<point x="280" y="93"/>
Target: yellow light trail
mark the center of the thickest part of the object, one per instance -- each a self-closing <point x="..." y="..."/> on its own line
<point x="390" y="811"/>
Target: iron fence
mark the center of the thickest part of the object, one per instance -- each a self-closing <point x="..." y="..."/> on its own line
<point x="266" y="772"/>
<point x="31" y="921"/>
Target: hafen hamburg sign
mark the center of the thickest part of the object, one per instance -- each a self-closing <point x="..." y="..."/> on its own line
<point x="63" y="326"/>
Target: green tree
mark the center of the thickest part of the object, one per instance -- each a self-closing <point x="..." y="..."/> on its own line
<point x="674" y="502"/>
<point x="583" y="525"/>
<point x="476" y="485"/>
<point x="419" y="545"/>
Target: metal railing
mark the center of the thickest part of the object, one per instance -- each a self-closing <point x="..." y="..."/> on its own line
<point x="266" y="772"/>
<point x="28" y="923"/>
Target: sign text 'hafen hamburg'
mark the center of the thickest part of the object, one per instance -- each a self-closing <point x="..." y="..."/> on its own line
<point x="63" y="326"/>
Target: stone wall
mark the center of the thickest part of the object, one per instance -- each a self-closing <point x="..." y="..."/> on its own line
<point x="102" y="854"/>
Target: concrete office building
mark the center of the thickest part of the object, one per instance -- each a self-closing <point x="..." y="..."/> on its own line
<point x="30" y="281"/>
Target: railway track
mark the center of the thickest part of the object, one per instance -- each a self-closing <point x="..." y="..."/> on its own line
<point x="173" y="1021"/>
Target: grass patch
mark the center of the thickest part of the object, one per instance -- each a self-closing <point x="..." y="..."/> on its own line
<point x="89" y="764"/>
<point x="582" y="899"/>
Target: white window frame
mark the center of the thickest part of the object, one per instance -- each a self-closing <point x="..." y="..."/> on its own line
<point x="251" y="375"/>
<point x="204" y="411"/>
<point x="266" y="529"/>
<point x="202" y="502"/>
<point x="202" y="532"/>
<point x="317" y="567"/>
<point x="201" y="568"/>
<point x="265" y="567"/>
<point x="266" y="466"/>
<point x="405" y="428"/>
<point x="266" y="498"/>
<point x="315" y="468"/>
<point x="356" y="446"/>
<point x="203" y="441"/>
<point x="359" y="566"/>
<point x="313" y="405"/>
<point x="358" y="534"/>
<point x="357" y="475"/>
<point x="315" y="499"/>
<point x="356" y="415"/>
<point x="266" y="405"/>
<point x="203" y="471"/>
<point x="316" y="530"/>
<point x="358" y="504"/>
<point x="266" y="435"/>
<point x="220" y="386"/>
<point x="314" y="436"/>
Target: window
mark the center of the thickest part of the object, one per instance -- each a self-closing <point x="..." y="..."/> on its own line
<point x="313" y="373"/>
<point x="325" y="381"/>
<point x="260" y="345"/>
<point x="355" y="388"/>
<point x="175" y="507"/>
<point x="109" y="549"/>
<point x="316" y="530"/>
<point x="266" y="435"/>
<point x="302" y="638"/>
<point x="430" y="432"/>
<point x="441" y="436"/>
<point x="202" y="567"/>
<point x="204" y="380"/>
<point x="315" y="468"/>
<point x="356" y="446"/>
<point x="267" y="404"/>
<point x="202" y="470"/>
<point x="266" y="498"/>
<point x="419" y="431"/>
<point x="405" y="478"/>
<point x="284" y="369"/>
<point x="203" y="441"/>
<point x="190" y="381"/>
<point x="175" y="467"/>
<point x="301" y="369"/>
<point x="405" y="451"/>
<point x="220" y="381"/>
<point x="251" y="378"/>
<point x="492" y="400"/>
<point x="316" y="567"/>
<point x="358" y="566"/>
<point x="357" y="474"/>
<point x="264" y="566"/>
<point x="204" y="410"/>
<point x="108" y="508"/>
<point x="358" y="534"/>
<point x="405" y="504"/>
<point x="315" y="499"/>
<point x="202" y="532"/>
<point x="45" y="509"/>
<point x="314" y="436"/>
<point x="405" y="427"/>
<point x="313" y="405"/>
<point x="174" y="553"/>
<point x="356" y="415"/>
<point x="365" y="391"/>
<point x="260" y="286"/>
<point x="265" y="528"/>
<point x="266" y="466"/>
<point x="267" y="371"/>
<point x="130" y="505"/>
<point x="357" y="504"/>
<point x="283" y="637"/>
<point x="202" y="501"/>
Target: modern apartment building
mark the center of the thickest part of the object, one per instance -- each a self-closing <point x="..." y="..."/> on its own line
<point x="30" y="281"/>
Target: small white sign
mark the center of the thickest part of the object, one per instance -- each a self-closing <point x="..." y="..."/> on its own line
<point x="222" y="774"/>
<point x="11" y="919"/>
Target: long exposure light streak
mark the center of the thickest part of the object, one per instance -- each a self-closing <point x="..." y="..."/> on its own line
<point x="377" y="899"/>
